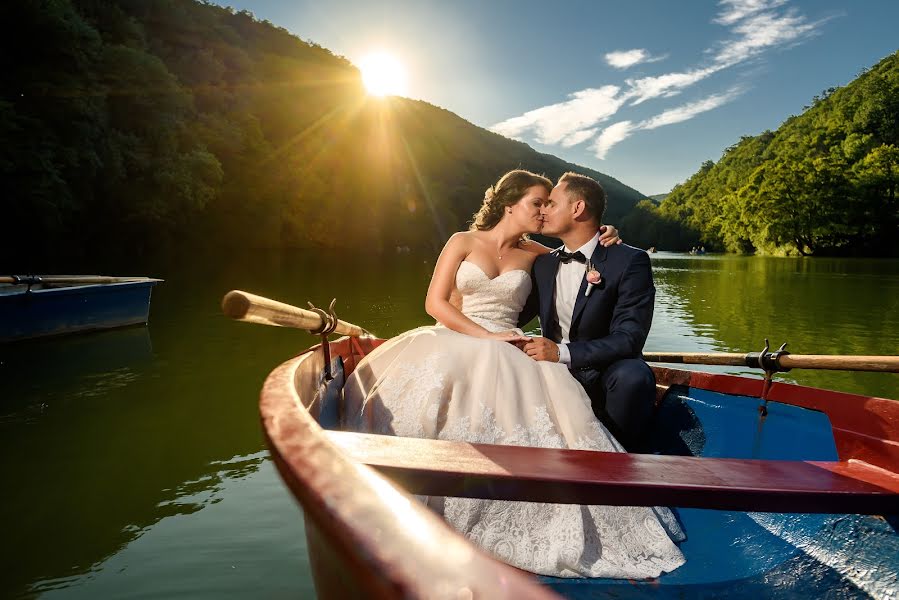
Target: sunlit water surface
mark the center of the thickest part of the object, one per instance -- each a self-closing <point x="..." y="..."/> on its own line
<point x="133" y="460"/>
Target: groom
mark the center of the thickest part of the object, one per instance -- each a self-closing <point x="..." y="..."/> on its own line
<point x="598" y="333"/>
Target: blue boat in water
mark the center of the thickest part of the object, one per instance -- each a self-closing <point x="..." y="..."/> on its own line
<point x="38" y="306"/>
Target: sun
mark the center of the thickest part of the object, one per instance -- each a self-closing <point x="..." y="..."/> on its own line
<point x="383" y="75"/>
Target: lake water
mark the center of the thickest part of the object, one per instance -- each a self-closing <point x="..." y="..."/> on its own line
<point x="133" y="461"/>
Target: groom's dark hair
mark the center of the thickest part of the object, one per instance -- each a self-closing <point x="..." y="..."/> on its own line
<point x="588" y="190"/>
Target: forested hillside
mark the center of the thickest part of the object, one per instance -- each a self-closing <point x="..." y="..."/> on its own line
<point x="825" y="182"/>
<point x="127" y="125"/>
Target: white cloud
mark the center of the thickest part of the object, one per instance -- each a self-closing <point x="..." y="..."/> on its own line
<point x="610" y="136"/>
<point x="622" y="59"/>
<point x="734" y="10"/>
<point x="666" y="85"/>
<point x="756" y="34"/>
<point x="613" y="134"/>
<point x="762" y="31"/>
<point x="755" y="26"/>
<point x="577" y="137"/>
<point x="554" y="124"/>
<point x="686" y="112"/>
<point x="516" y="126"/>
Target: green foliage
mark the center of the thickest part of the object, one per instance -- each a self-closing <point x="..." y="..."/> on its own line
<point x="646" y="226"/>
<point x="824" y="183"/>
<point x="132" y="124"/>
<point x="95" y="144"/>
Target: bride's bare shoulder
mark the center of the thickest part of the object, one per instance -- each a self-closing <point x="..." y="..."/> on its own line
<point x="461" y="239"/>
<point x="533" y="246"/>
<point x="461" y="244"/>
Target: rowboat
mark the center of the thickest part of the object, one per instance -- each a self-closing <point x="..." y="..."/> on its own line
<point x="783" y="490"/>
<point x="37" y="306"/>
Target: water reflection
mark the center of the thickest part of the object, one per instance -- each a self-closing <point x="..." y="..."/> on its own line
<point x="49" y="372"/>
<point x="108" y="442"/>
<point x="238" y="545"/>
<point x="819" y="306"/>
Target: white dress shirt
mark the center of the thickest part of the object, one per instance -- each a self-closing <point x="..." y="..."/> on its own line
<point x="568" y="284"/>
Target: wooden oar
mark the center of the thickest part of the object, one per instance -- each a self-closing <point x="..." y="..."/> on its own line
<point x="245" y="306"/>
<point x="63" y="279"/>
<point x="831" y="362"/>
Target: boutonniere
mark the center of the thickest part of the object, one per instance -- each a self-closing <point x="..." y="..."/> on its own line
<point x="593" y="277"/>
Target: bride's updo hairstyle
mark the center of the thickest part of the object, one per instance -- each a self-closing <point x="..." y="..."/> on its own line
<point x="510" y="188"/>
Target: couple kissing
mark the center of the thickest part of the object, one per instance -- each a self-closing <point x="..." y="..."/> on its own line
<point x="476" y="377"/>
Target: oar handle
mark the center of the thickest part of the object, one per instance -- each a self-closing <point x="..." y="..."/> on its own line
<point x="884" y="364"/>
<point x="245" y="306"/>
<point x="832" y="362"/>
<point x="697" y="358"/>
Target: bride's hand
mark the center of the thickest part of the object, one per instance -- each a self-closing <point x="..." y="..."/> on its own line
<point x="608" y="235"/>
<point x="511" y="336"/>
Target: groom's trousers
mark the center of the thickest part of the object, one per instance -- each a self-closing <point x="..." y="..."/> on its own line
<point x="622" y="395"/>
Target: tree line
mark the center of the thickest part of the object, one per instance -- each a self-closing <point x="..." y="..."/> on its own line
<point x="824" y="183"/>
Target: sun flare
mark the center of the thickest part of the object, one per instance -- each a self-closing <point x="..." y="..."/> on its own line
<point x="383" y="75"/>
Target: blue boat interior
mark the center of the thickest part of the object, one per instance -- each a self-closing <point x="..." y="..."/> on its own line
<point x="768" y="555"/>
<point x="740" y="554"/>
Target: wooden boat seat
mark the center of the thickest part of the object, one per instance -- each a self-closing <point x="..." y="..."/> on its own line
<point x="747" y="479"/>
<point x="436" y="467"/>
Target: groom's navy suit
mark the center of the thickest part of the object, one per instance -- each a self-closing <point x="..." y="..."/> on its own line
<point x="608" y="330"/>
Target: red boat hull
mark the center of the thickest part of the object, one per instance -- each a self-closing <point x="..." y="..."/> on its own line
<point x="368" y="536"/>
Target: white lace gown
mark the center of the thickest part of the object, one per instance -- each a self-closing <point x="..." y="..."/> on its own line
<point x="435" y="383"/>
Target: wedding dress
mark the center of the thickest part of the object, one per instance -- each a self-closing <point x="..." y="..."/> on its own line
<point x="436" y="383"/>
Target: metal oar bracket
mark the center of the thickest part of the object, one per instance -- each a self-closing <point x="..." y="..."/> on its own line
<point x="327" y="327"/>
<point x="770" y="363"/>
<point x="28" y="280"/>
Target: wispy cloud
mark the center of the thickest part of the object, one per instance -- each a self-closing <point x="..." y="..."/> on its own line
<point x="757" y="32"/>
<point x="685" y="112"/>
<point x="610" y="136"/>
<point x="665" y="86"/>
<point x="623" y="59"/>
<point x="762" y="31"/>
<point x="755" y="26"/>
<point x="734" y="10"/>
<point x="578" y="136"/>
<point x="556" y="123"/>
<point x="618" y="132"/>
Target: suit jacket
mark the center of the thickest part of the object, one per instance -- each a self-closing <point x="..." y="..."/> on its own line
<point x="612" y="322"/>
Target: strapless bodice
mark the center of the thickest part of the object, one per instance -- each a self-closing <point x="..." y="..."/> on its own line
<point x="492" y="303"/>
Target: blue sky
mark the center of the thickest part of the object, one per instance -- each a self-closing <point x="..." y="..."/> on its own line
<point x="644" y="91"/>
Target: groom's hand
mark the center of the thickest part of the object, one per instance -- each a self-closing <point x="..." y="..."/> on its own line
<point x="541" y="348"/>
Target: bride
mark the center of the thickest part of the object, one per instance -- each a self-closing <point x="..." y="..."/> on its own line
<point x="467" y="379"/>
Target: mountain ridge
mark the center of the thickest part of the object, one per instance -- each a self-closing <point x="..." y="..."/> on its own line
<point x="172" y="120"/>
<point x="825" y="182"/>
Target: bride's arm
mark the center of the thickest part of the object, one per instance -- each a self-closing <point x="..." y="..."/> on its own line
<point x="608" y="236"/>
<point x="437" y="302"/>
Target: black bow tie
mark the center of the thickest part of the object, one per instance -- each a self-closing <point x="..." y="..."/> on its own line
<point x="567" y="257"/>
